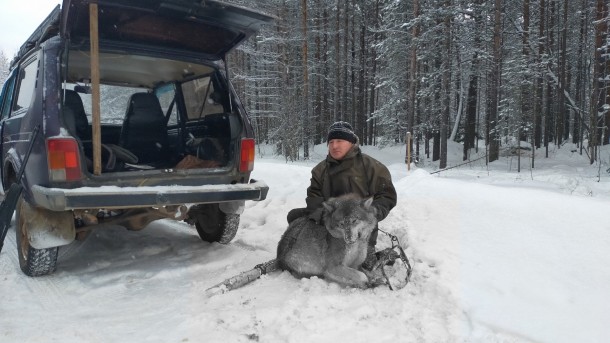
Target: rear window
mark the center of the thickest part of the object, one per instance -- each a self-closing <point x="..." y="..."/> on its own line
<point x="113" y="102"/>
<point x="200" y="99"/>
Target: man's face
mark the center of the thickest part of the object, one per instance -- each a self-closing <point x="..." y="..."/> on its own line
<point x="338" y="148"/>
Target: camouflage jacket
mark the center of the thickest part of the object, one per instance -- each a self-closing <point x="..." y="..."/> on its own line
<point x="355" y="173"/>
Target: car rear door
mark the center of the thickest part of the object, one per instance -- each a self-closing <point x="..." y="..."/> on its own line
<point x="208" y="28"/>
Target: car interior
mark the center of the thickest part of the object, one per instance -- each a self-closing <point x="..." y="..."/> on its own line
<point x="155" y="113"/>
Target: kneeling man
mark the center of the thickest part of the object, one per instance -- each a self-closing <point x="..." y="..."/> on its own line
<point x="347" y="170"/>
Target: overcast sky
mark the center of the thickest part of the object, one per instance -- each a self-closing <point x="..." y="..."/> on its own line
<point x="18" y="19"/>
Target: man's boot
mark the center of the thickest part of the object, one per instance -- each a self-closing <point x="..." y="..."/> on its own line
<point x="297" y="213"/>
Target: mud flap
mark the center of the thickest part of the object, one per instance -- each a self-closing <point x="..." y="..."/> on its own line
<point x="47" y="229"/>
<point x="232" y="207"/>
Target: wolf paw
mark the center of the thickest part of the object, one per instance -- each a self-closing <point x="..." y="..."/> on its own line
<point x="375" y="277"/>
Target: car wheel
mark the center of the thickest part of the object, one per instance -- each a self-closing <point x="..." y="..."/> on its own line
<point x="33" y="262"/>
<point x="212" y="224"/>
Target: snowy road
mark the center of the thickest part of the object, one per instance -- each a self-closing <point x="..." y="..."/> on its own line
<point x="497" y="258"/>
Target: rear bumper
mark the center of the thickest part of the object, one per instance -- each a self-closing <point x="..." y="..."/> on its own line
<point x="60" y="199"/>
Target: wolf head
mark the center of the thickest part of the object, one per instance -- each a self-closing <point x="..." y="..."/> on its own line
<point x="350" y="218"/>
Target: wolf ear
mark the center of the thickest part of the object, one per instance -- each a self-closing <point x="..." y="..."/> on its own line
<point x="328" y="206"/>
<point x="368" y="202"/>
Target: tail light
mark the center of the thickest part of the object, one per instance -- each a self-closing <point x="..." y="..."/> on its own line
<point x="246" y="161"/>
<point x="64" y="159"/>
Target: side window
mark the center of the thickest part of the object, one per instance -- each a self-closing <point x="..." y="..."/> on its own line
<point x="200" y="98"/>
<point x="27" y="84"/>
<point x="167" y="98"/>
<point x="7" y="95"/>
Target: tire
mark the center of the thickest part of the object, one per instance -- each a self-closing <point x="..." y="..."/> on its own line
<point x="33" y="262"/>
<point x="212" y="224"/>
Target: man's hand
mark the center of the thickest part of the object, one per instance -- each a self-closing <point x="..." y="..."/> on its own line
<point x="318" y="216"/>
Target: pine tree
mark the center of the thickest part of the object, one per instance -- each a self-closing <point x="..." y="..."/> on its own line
<point x="520" y="70"/>
<point x="4" y="68"/>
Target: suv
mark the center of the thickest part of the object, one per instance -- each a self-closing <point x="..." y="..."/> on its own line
<point x="137" y="119"/>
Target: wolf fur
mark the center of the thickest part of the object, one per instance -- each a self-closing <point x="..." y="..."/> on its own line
<point x="334" y="251"/>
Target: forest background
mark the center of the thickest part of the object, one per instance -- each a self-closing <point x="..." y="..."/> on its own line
<point x="498" y="74"/>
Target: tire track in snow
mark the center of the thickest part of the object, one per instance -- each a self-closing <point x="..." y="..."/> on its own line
<point x="48" y="290"/>
<point x="7" y="256"/>
<point x="430" y="310"/>
<point x="433" y="289"/>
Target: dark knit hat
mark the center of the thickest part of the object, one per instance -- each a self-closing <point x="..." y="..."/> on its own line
<point x="342" y="130"/>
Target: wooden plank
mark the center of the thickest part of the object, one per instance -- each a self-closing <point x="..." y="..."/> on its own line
<point x="96" y="134"/>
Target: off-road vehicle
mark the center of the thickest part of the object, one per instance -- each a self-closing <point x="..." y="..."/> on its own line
<point x="138" y="122"/>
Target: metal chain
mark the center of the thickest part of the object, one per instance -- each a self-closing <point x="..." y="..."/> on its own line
<point x="401" y="253"/>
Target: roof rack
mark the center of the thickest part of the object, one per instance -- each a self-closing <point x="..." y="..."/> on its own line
<point x="48" y="28"/>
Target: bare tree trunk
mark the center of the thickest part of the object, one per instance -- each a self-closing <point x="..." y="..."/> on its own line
<point x="580" y="77"/>
<point x="345" y="114"/>
<point x="604" y="94"/>
<point x="360" y="98"/>
<point x="327" y="114"/>
<point x="352" y="70"/>
<point x="446" y="87"/>
<point x="337" y="80"/>
<point x="538" y="105"/>
<point x="547" y="96"/>
<point x="525" y="115"/>
<point x="413" y="71"/>
<point x="460" y="102"/>
<point x="494" y="142"/>
<point x="561" y="116"/>
<point x="306" y="131"/>
<point x="437" y="103"/>
<point x="373" y="74"/>
<point x="318" y="79"/>
<point x="436" y="145"/>
<point x="598" y="93"/>
<point x="551" y="105"/>
<point x="470" y="124"/>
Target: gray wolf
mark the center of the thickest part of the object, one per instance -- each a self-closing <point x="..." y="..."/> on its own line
<point x="335" y="249"/>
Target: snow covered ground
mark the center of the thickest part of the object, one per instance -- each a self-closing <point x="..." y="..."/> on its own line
<point x="498" y="256"/>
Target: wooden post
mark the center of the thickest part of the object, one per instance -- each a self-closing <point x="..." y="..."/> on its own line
<point x="408" y="150"/>
<point x="96" y="135"/>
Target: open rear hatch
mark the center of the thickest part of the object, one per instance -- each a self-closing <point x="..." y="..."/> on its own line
<point x="131" y="32"/>
<point x="202" y="27"/>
